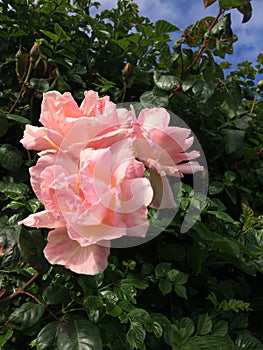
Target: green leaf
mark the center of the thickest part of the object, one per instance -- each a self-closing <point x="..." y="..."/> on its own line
<point x="33" y="205"/>
<point x="180" y="291"/>
<point x="10" y="157"/>
<point x="139" y="315"/>
<point x="40" y="85"/>
<point x="203" y="90"/>
<point x="5" y="335"/>
<point x="154" y="98"/>
<point x="187" y="324"/>
<point x="234" y="140"/>
<point x="18" y="119"/>
<point x="209" y="342"/>
<point x="216" y="187"/>
<point x="220" y="328"/>
<point x="8" y="237"/>
<point x="74" y="334"/>
<point x="163" y="26"/>
<point x="231" y="94"/>
<point x="204" y="324"/>
<point x="162" y="268"/>
<point x="26" y="315"/>
<point x="113" y="309"/>
<point x="245" y="341"/>
<point x="229" y="4"/>
<point x="176" y="276"/>
<point x="137" y="281"/>
<point x="56" y="294"/>
<point x="46" y="339"/>
<point x="208" y="3"/>
<point x="155" y="328"/>
<point x="12" y="189"/>
<point x="136" y="335"/>
<point x="62" y="35"/>
<point x="165" y="286"/>
<point x="78" y="334"/>
<point x="31" y="245"/>
<point x="123" y="43"/>
<point x="11" y="259"/>
<point x="246" y="10"/>
<point x="166" y="82"/>
<point x="221" y="216"/>
<point x="50" y="35"/>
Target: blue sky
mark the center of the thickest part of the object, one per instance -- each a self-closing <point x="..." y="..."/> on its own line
<point x="185" y="12"/>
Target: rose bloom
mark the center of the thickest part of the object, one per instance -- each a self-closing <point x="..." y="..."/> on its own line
<point x="90" y="174"/>
<point x="162" y="148"/>
<point x="88" y="202"/>
<point x="65" y="124"/>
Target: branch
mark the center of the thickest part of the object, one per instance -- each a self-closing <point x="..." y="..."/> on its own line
<point x="204" y="44"/>
<point x="22" y="289"/>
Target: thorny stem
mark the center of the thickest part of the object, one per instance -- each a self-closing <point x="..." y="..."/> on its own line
<point x="22" y="291"/>
<point x="204" y="44"/>
<point x="22" y="90"/>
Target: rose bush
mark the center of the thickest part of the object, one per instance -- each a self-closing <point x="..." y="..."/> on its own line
<point x="90" y="174"/>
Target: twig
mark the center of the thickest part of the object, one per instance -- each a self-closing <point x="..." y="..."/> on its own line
<point x="22" y="289"/>
<point x="124" y="90"/>
<point x="22" y="90"/>
<point x="204" y="44"/>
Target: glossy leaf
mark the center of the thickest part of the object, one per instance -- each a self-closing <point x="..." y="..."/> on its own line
<point x="74" y="334"/>
<point x="166" y="82"/>
<point x="154" y="98"/>
<point x="26" y="315"/>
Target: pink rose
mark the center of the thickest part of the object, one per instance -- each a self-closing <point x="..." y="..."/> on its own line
<point x="90" y="201"/>
<point x="64" y="122"/>
<point x="90" y="174"/>
<point x="161" y="147"/>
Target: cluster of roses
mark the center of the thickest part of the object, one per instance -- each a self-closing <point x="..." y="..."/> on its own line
<point x="90" y="175"/>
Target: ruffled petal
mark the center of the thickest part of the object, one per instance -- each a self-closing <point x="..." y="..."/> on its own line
<point x="89" y="260"/>
<point x="44" y="218"/>
<point x="151" y="117"/>
<point x="41" y="138"/>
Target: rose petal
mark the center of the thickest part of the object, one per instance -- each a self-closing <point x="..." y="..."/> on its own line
<point x="88" y="260"/>
<point x="44" y="219"/>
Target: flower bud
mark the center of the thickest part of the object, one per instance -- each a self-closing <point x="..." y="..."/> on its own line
<point x="34" y="53"/>
<point x="127" y="71"/>
<point x="22" y="61"/>
<point x="260" y="85"/>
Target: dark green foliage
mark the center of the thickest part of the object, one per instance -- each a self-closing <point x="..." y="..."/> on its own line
<point x="201" y="289"/>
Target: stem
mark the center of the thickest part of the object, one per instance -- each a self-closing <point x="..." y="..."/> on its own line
<point x="22" y="289"/>
<point x="124" y="90"/>
<point x="204" y="44"/>
<point x="254" y="103"/>
<point x="22" y="90"/>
